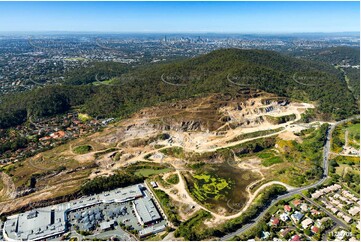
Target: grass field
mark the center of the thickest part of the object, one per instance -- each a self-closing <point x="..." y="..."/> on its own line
<point x="173" y="179"/>
<point x="342" y="169"/>
<point x="84" y="117"/>
<point x="269" y="158"/>
<point x="82" y="149"/>
<point x="354" y="135"/>
<point x="280" y="119"/>
<point x="348" y="160"/>
<point x="354" y="129"/>
<point x="147" y="169"/>
<point x="346" y="170"/>
<point x="347" y="164"/>
<point x="271" y="161"/>
<point x="338" y="136"/>
<point x="293" y="162"/>
<point x="149" y="172"/>
<point x="105" y="82"/>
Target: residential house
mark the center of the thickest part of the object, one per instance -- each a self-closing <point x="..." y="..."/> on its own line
<point x="296" y="238"/>
<point x="153" y="184"/>
<point x="306" y="223"/>
<point x="336" y="196"/>
<point x="347" y="219"/>
<point x="315" y="212"/>
<point x="315" y="229"/>
<point x="284" y="217"/>
<point x="296" y="202"/>
<point x="296" y="217"/>
<point x="275" y="221"/>
<point x="340" y="206"/>
<point x="334" y="210"/>
<point x="287" y="208"/>
<point x="304" y="207"/>
<point x="265" y="235"/>
<point x="316" y="194"/>
<point x="284" y="232"/>
<point x="354" y="210"/>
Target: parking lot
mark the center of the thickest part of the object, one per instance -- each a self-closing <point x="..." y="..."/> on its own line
<point x="104" y="221"/>
<point x="123" y="214"/>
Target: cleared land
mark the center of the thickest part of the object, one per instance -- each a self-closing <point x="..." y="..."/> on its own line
<point x="346" y="138"/>
<point x="207" y="137"/>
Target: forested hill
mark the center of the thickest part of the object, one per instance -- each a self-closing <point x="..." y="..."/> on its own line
<point x="338" y="57"/>
<point x="332" y="55"/>
<point x="226" y="70"/>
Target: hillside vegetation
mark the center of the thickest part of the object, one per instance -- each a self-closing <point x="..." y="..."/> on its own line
<point x="332" y="55"/>
<point x="224" y="71"/>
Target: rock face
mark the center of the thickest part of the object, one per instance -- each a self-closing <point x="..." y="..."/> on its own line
<point x="191" y="126"/>
<point x="23" y="192"/>
<point x="214" y="113"/>
<point x="188" y="125"/>
<point x="161" y="126"/>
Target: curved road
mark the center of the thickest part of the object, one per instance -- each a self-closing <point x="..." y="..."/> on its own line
<point x="326" y="151"/>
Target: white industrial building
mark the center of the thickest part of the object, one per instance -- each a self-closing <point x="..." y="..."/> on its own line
<point x="47" y="222"/>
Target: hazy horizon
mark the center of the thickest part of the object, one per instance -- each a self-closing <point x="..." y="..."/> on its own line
<point x="50" y="32"/>
<point x="181" y="17"/>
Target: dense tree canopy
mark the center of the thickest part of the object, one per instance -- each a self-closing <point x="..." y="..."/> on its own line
<point x="226" y="71"/>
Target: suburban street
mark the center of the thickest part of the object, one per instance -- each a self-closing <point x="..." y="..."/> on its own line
<point x="326" y="151"/>
<point x="334" y="218"/>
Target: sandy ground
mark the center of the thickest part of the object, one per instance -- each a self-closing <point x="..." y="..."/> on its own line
<point x="210" y="141"/>
<point x="288" y="135"/>
<point x="206" y="141"/>
<point x="179" y="194"/>
<point x="32" y="198"/>
<point x="9" y="190"/>
<point x="246" y="118"/>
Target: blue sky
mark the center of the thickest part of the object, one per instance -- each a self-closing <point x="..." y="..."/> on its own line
<point x="165" y="17"/>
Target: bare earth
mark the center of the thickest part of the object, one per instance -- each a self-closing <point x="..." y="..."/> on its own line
<point x="200" y="125"/>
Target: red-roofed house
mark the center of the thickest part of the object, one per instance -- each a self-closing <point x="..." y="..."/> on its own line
<point x="287" y="208"/>
<point x="315" y="229"/>
<point x="315" y="212"/>
<point x="275" y="221"/>
<point x="285" y="232"/>
<point x="45" y="138"/>
<point x="296" y="238"/>
<point x="59" y="134"/>
<point x="296" y="202"/>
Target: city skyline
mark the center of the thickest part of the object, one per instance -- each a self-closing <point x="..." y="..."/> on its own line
<point x="180" y="17"/>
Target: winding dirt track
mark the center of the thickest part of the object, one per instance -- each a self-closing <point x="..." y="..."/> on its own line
<point x="218" y="217"/>
<point x="184" y="197"/>
<point x="181" y="186"/>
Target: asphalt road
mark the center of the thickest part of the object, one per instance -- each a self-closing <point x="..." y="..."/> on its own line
<point x="326" y="151"/>
<point x="333" y="217"/>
